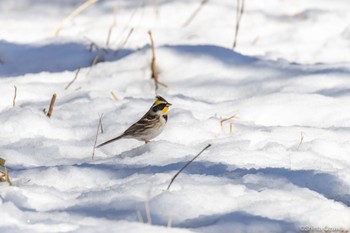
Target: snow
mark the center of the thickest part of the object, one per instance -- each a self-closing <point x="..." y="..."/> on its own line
<point x="284" y="167"/>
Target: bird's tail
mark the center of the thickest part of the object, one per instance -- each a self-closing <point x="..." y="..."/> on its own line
<point x="109" y="141"/>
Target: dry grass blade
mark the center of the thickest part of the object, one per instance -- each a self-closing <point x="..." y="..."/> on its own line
<point x="115" y="97"/>
<point x="239" y="13"/>
<point x="98" y="129"/>
<point x="189" y="162"/>
<point x="52" y="103"/>
<point x="194" y="14"/>
<point x="14" y="97"/>
<point x="229" y="118"/>
<point x="73" y="14"/>
<point x="75" y="77"/>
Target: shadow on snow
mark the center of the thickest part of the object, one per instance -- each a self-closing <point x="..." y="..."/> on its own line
<point x="21" y="59"/>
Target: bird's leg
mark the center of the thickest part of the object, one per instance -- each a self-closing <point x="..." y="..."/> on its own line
<point x="146" y="141"/>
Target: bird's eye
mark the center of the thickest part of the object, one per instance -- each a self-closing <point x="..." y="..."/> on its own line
<point x="158" y="107"/>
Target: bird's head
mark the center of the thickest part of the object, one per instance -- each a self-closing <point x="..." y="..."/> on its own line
<point x="160" y="106"/>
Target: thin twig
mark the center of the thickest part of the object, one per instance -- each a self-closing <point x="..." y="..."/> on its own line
<point x="239" y="13"/>
<point x="14" y="97"/>
<point x="188" y="163"/>
<point x="73" y="14"/>
<point x="52" y="103"/>
<point x="194" y="14"/>
<point x="75" y="77"/>
<point x="98" y="129"/>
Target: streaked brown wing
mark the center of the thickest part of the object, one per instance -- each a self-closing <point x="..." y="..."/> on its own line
<point x="148" y="121"/>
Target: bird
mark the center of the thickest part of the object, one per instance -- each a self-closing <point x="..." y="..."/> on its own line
<point x="149" y="126"/>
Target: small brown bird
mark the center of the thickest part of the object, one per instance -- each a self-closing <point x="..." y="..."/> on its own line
<point x="150" y="125"/>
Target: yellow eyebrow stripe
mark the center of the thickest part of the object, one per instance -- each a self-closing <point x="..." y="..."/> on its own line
<point x="165" y="109"/>
<point x="159" y="102"/>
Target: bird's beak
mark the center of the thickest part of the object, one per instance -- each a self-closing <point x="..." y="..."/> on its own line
<point x="169" y="104"/>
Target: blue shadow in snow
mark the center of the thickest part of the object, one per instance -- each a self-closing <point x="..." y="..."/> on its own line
<point x="20" y="59"/>
<point x="237" y="222"/>
<point x="230" y="57"/>
<point x="325" y="184"/>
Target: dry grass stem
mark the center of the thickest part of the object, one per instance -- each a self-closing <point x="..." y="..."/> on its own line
<point x="100" y="122"/>
<point x="239" y="13"/>
<point x="123" y="43"/>
<point x="139" y="216"/>
<point x="75" y="77"/>
<point x="229" y="118"/>
<point x="72" y="15"/>
<point x="301" y="139"/>
<point x="154" y="66"/>
<point x="52" y="103"/>
<point x="2" y="162"/>
<point x="170" y="222"/>
<point x="141" y="4"/>
<point x="156" y="7"/>
<point x="231" y="127"/>
<point x="115" y="97"/>
<point x="96" y="60"/>
<point x="93" y="45"/>
<point x="189" y="162"/>
<point x="4" y="175"/>
<point x="114" y="23"/>
<point x="194" y="14"/>
<point x="14" y="97"/>
<point x="148" y="212"/>
<point x="153" y="63"/>
<point x="98" y="129"/>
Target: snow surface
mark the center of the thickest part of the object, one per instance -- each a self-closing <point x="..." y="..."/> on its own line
<point x="288" y="76"/>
